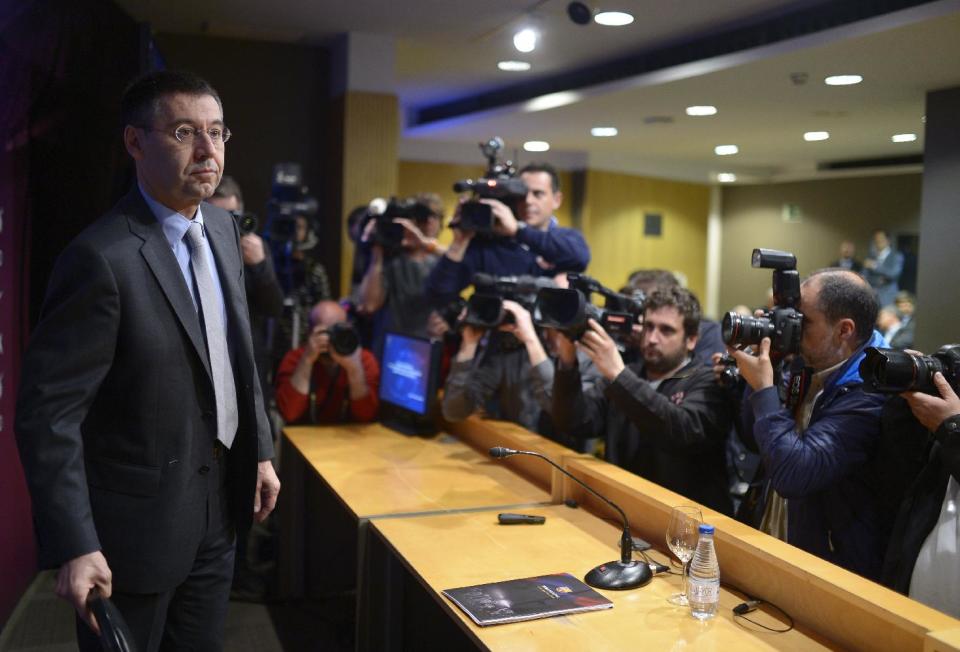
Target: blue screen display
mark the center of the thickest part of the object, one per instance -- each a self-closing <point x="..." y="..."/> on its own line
<point x="405" y="372"/>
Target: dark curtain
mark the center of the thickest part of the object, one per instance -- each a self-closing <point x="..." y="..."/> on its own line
<point x="63" y="66"/>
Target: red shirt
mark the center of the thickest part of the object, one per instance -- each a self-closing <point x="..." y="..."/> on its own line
<point x="332" y="402"/>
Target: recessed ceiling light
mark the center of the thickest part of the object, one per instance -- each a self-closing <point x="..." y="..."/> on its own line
<point x="513" y="66"/>
<point x="552" y="101"/>
<point x="604" y="132"/>
<point x="903" y="138"/>
<point x="726" y="177"/>
<point x="843" y="80"/>
<point x="701" y="110"/>
<point x="726" y="150"/>
<point x="613" y="18"/>
<point x="525" y="40"/>
<point x="536" y="146"/>
<point x="812" y="136"/>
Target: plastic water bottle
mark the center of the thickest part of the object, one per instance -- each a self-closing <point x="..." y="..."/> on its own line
<point x="703" y="584"/>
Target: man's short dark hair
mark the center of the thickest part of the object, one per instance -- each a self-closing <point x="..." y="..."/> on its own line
<point x="683" y="300"/>
<point x="844" y="295"/>
<point x="647" y="280"/>
<point x="541" y="166"/>
<point x="141" y="100"/>
<point x="229" y="188"/>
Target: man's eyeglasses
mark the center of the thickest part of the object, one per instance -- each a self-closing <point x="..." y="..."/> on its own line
<point x="188" y="135"/>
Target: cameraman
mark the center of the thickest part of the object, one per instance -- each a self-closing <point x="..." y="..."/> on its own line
<point x="264" y="295"/>
<point x="315" y="384"/>
<point x="922" y="559"/>
<point x="394" y="283"/>
<point x="533" y="245"/>
<point x="665" y="416"/>
<point x="817" y="451"/>
<point x="506" y="373"/>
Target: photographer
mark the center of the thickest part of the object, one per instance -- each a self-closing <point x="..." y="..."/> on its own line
<point x="817" y="450"/>
<point x="922" y="558"/>
<point x="264" y="295"/>
<point x="317" y="384"/>
<point x="533" y="245"/>
<point x="394" y="280"/>
<point x="664" y="418"/>
<point x="506" y="373"/>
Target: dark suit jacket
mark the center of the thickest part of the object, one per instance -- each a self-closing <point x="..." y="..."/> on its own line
<point x="116" y="416"/>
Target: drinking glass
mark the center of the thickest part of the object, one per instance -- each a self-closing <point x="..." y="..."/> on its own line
<point x="682" y="538"/>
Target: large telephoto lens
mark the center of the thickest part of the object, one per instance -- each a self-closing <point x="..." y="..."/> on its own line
<point x="741" y="329"/>
<point x="891" y="371"/>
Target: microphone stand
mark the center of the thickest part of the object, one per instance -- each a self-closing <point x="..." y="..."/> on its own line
<point x="625" y="573"/>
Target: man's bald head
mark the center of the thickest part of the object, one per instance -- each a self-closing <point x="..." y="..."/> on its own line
<point x="844" y="294"/>
<point x="327" y="313"/>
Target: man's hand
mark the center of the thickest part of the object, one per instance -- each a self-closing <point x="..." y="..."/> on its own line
<point x="268" y="488"/>
<point x="317" y="344"/>
<point x="565" y="349"/>
<point x="437" y="326"/>
<point x="469" y="339"/>
<point x="601" y="348"/>
<point x="252" y="247"/>
<point x="461" y="238"/>
<point x="757" y="371"/>
<point x="932" y="410"/>
<point x="523" y="328"/>
<point x="77" y="577"/>
<point x="504" y="221"/>
<point x="412" y="235"/>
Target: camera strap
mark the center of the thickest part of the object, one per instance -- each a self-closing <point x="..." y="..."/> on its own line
<point x="797" y="387"/>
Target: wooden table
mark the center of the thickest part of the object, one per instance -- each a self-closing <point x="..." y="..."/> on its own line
<point x="371" y="472"/>
<point x="449" y="551"/>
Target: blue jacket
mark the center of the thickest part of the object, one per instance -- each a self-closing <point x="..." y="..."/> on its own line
<point x="564" y="249"/>
<point x="826" y="473"/>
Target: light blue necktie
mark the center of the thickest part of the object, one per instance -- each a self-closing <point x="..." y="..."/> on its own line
<point x="224" y="387"/>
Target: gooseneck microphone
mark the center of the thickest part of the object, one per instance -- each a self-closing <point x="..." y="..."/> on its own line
<point x="623" y="574"/>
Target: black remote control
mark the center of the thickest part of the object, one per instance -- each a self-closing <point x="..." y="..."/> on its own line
<point x="520" y="519"/>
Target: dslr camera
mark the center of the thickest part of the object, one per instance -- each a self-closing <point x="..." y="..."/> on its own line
<point x="485" y="306"/>
<point x="499" y="182"/>
<point x="568" y="309"/>
<point x="891" y="371"/>
<point x="344" y="338"/>
<point x="782" y="323"/>
<point x="387" y="233"/>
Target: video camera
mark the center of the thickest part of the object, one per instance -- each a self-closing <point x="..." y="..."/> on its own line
<point x="485" y="306"/>
<point x="782" y="323"/>
<point x="568" y="309"/>
<point x="387" y="233"/>
<point x="498" y="182"/>
<point x="289" y="197"/>
<point x="891" y="371"/>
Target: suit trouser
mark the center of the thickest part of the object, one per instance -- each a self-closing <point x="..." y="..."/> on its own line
<point x="191" y="615"/>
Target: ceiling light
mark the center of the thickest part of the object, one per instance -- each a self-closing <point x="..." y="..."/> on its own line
<point x="525" y="40"/>
<point x="812" y="136"/>
<point x="536" y="146"/>
<point x="843" y="80"/>
<point x="513" y="66"/>
<point x="702" y="110"/>
<point x="726" y="177"/>
<point x="613" y="18"/>
<point x="603" y="132"/>
<point x="726" y="150"/>
<point x="552" y="101"/>
<point x="903" y="138"/>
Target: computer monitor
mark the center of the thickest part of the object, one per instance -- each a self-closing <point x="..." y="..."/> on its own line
<point x="409" y="374"/>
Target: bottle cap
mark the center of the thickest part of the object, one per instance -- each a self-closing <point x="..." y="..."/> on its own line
<point x="706" y="529"/>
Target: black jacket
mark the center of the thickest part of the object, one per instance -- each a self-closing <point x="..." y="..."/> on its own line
<point x="673" y="435"/>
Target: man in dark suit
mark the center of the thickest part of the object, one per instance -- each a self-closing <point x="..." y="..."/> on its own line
<point x="140" y="420"/>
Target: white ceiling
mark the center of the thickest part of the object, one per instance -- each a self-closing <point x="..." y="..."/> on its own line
<point x="449" y="48"/>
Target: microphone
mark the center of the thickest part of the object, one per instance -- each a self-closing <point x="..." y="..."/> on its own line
<point x="623" y="574"/>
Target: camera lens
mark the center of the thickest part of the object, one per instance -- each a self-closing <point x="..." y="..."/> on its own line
<point x="484" y="310"/>
<point x="344" y="339"/>
<point x="891" y="371"/>
<point x="739" y="329"/>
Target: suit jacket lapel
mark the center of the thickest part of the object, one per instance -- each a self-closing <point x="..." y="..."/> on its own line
<point x="226" y="253"/>
<point x="158" y="256"/>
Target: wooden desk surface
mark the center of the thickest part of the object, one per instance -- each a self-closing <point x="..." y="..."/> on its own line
<point x="375" y="471"/>
<point x="448" y="551"/>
